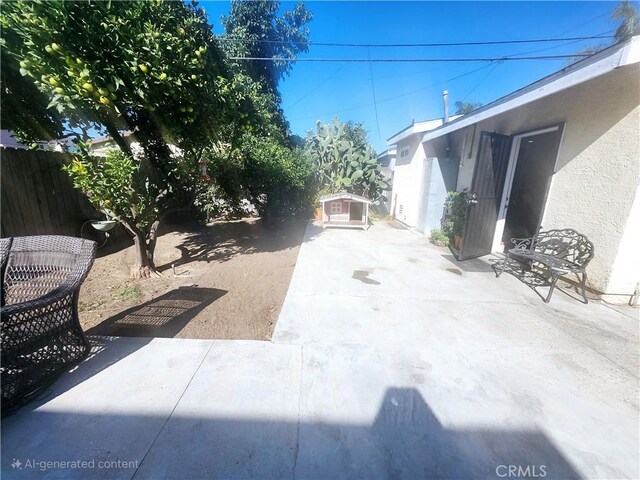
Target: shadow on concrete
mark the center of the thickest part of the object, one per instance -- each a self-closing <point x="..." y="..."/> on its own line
<point x="406" y="440"/>
<point x="536" y="277"/>
<point x="471" y="265"/>
<point x="103" y="354"/>
<point x="164" y="316"/>
<point x="222" y="241"/>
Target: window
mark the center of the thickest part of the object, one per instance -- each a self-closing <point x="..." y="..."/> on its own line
<point x="404" y="153"/>
<point x="336" y="207"/>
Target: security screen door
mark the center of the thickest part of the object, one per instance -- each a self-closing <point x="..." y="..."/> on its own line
<point x="486" y="194"/>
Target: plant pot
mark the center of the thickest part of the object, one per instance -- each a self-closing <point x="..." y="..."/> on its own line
<point x="103" y="225"/>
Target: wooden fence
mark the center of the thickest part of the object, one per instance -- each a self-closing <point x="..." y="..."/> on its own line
<point x="37" y="197"/>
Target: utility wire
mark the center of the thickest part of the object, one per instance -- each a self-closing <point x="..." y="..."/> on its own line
<point x="388" y="99"/>
<point x="412" y="45"/>
<point x="480" y="82"/>
<point x="315" y="88"/>
<point x="551" y="48"/>
<point x="407" y="60"/>
<point x="373" y="92"/>
<point x="572" y="29"/>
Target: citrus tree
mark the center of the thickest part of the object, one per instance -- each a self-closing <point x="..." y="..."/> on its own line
<point x="149" y="67"/>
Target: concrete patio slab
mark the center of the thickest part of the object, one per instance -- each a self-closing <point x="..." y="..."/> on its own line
<point x="481" y="353"/>
<point x="237" y="419"/>
<point x="389" y="360"/>
<point x="108" y="410"/>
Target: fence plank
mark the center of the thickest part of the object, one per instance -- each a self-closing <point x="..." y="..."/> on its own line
<point x="38" y="197"/>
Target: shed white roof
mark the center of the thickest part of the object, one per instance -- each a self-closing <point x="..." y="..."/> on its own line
<point x="616" y="56"/>
<point x="344" y="196"/>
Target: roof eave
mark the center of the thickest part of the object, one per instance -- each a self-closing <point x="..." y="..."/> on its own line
<point x="348" y="196"/>
<point x="616" y="56"/>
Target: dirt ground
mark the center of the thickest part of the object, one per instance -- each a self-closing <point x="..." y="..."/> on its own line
<point x="230" y="281"/>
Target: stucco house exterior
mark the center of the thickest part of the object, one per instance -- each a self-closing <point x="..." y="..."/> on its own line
<point x="563" y="152"/>
<point x="419" y="190"/>
<point x="387" y="161"/>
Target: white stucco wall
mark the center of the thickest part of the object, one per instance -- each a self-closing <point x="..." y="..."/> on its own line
<point x="418" y="186"/>
<point x="597" y="172"/>
<point x="626" y="268"/>
<point x="406" y="181"/>
<point x="594" y="191"/>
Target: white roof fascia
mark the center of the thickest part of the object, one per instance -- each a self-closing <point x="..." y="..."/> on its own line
<point x="418" y="127"/>
<point x="601" y="63"/>
<point x="344" y="196"/>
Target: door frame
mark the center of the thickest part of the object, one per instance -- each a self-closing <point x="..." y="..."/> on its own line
<point x="511" y="170"/>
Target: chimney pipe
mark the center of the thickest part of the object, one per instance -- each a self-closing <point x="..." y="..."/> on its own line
<point x="445" y="100"/>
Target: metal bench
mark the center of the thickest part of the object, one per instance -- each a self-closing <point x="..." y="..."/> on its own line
<point x="41" y="333"/>
<point x="558" y="252"/>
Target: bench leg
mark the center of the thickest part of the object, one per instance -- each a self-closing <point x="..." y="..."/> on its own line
<point x="554" y="279"/>
<point x="504" y="264"/>
<point x="583" y="284"/>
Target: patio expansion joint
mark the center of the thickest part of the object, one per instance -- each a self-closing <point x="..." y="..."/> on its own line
<point x="297" y="447"/>
<point x="164" y="424"/>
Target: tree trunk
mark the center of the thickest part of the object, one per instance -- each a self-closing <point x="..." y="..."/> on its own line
<point x="145" y="245"/>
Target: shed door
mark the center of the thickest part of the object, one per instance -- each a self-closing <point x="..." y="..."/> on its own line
<point x="486" y="194"/>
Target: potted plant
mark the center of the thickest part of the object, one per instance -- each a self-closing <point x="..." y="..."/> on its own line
<point x="456" y="208"/>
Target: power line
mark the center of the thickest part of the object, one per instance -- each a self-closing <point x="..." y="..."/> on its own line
<point x="481" y="81"/>
<point x="373" y="91"/>
<point x="411" y="45"/>
<point x="388" y="99"/>
<point x="315" y="88"/>
<point x="537" y="50"/>
<point x="586" y="22"/>
<point x="407" y="60"/>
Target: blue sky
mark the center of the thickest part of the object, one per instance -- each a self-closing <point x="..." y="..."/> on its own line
<point x="406" y="91"/>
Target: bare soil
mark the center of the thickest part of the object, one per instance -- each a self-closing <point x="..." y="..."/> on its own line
<point x="230" y="281"/>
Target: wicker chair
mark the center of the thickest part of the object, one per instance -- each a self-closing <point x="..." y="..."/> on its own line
<point x="41" y="333"/>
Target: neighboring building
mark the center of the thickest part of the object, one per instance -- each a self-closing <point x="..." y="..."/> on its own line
<point x="419" y="190"/>
<point x="387" y="161"/>
<point x="7" y="140"/>
<point x="101" y="146"/>
<point x="563" y="152"/>
<point x="345" y="210"/>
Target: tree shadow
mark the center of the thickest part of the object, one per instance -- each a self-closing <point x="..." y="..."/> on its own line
<point x="164" y="316"/>
<point x="221" y="241"/>
<point x="198" y="440"/>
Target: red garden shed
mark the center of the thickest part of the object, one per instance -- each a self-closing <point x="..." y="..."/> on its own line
<point x="345" y="210"/>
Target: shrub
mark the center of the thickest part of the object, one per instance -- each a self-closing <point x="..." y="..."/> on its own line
<point x="439" y="238"/>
